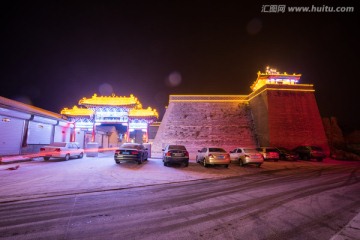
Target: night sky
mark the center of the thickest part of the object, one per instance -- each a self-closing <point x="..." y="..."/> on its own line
<point x="56" y="52"/>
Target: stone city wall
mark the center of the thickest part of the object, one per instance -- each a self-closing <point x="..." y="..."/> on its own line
<point x="287" y="116"/>
<point x="199" y="123"/>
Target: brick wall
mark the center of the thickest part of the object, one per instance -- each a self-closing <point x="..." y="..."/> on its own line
<point x="288" y="118"/>
<point x="259" y="108"/>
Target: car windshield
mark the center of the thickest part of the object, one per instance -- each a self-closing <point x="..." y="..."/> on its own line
<point x="58" y="144"/>
<point x="131" y="146"/>
<point x="216" y="150"/>
<point x="250" y="150"/>
<point x="180" y="147"/>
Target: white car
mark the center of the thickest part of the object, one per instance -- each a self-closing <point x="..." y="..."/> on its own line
<point x="246" y="156"/>
<point x="62" y="150"/>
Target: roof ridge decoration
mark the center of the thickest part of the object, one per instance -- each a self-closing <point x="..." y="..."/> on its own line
<point x="112" y="100"/>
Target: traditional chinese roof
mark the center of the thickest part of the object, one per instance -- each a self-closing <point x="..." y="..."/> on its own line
<point x="143" y="113"/>
<point x="272" y="76"/>
<point x="75" y="111"/>
<point x="112" y="100"/>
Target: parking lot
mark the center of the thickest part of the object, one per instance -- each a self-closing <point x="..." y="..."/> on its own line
<point x="38" y="178"/>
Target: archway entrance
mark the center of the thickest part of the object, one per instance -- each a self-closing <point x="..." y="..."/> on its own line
<point x="126" y="114"/>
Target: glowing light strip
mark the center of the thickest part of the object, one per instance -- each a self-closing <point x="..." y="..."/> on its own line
<point x="207" y="98"/>
<point x="208" y="101"/>
<point x="209" y="95"/>
<point x="281" y="89"/>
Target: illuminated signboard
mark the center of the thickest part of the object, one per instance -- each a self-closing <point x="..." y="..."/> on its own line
<point x="113" y="116"/>
<point x="138" y="125"/>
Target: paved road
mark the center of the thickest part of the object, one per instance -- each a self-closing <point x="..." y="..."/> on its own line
<point x="92" y="198"/>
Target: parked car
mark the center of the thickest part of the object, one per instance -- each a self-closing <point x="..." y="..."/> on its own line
<point x="213" y="156"/>
<point x="64" y="150"/>
<point x="269" y="153"/>
<point x="131" y="152"/>
<point x="287" y="154"/>
<point x="246" y="156"/>
<point x="175" y="154"/>
<point x="308" y="152"/>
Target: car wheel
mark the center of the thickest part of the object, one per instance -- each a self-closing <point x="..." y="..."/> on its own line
<point x="319" y="159"/>
<point x="241" y="162"/>
<point x="139" y="161"/>
<point x="46" y="158"/>
<point x="81" y="155"/>
<point x="67" y="157"/>
<point x="186" y="164"/>
<point x="204" y="163"/>
<point x="258" y="165"/>
<point x="226" y="165"/>
<point x="166" y="164"/>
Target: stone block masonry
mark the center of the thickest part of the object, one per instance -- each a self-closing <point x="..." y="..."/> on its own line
<point x="272" y="115"/>
<point x="211" y="121"/>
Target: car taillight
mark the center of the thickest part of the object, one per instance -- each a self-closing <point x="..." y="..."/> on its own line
<point x="57" y="150"/>
<point x="117" y="151"/>
<point x="211" y="156"/>
<point x="168" y="154"/>
<point x="42" y="149"/>
<point x="247" y="156"/>
<point x="186" y="153"/>
<point x="134" y="152"/>
<point x="227" y="155"/>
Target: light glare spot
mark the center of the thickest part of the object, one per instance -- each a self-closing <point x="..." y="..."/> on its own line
<point x="174" y="79"/>
<point x="106" y="89"/>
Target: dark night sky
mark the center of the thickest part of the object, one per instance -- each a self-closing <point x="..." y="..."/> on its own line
<point x="56" y="52"/>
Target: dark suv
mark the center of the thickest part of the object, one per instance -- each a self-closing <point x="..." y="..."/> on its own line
<point x="286" y="154"/>
<point x="310" y="152"/>
<point x="175" y="154"/>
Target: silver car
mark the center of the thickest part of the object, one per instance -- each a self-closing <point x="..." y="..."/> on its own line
<point x="246" y="156"/>
<point x="213" y="156"/>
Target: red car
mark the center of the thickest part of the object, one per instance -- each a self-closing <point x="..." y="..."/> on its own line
<point x="269" y="153"/>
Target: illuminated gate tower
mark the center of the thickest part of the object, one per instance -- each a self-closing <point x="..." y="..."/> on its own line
<point x="113" y="109"/>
